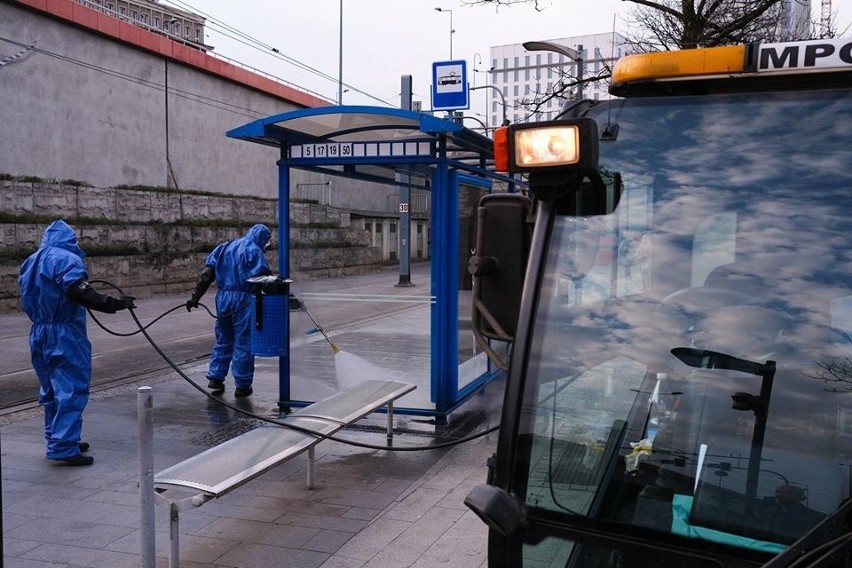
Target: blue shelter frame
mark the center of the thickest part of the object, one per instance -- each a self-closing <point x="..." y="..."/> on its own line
<point x="385" y="145"/>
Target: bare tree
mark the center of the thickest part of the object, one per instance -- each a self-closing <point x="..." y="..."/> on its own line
<point x="661" y="25"/>
<point x="534" y="103"/>
<point x="835" y="375"/>
<point x="685" y="24"/>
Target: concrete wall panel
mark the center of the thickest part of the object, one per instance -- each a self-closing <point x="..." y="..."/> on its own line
<point x="84" y="107"/>
<point x="76" y="106"/>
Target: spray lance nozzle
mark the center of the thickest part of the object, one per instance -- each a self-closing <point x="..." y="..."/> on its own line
<point x="317" y="327"/>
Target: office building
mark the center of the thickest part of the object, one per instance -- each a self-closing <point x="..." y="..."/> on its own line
<point x="531" y="82"/>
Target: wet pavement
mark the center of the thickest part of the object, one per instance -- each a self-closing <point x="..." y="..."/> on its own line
<point x="372" y="508"/>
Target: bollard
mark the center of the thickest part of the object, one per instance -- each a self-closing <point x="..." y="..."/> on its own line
<point x="145" y="419"/>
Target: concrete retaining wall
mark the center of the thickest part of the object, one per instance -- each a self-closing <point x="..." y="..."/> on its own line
<point x="148" y="241"/>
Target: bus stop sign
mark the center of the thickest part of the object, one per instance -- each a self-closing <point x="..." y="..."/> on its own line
<point x="449" y="85"/>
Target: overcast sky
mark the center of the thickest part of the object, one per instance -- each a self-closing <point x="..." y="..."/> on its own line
<point x="386" y="39"/>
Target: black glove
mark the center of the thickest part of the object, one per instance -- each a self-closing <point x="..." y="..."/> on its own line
<point x="117" y="304"/>
<point x="191" y="303"/>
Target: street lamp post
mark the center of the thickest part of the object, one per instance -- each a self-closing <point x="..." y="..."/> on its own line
<point x="340" y="67"/>
<point x="575" y="54"/>
<point x="502" y="99"/>
<point x="452" y="31"/>
<point x="475" y="69"/>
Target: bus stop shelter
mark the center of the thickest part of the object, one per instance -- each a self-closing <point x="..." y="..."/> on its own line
<point x="406" y="149"/>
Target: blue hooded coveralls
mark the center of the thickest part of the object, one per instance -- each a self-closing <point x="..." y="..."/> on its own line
<point x="59" y="345"/>
<point x="234" y="263"/>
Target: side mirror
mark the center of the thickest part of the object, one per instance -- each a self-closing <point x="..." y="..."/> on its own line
<point x="496" y="508"/>
<point x="503" y="237"/>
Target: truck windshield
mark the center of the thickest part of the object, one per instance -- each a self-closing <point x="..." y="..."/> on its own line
<point x="730" y="238"/>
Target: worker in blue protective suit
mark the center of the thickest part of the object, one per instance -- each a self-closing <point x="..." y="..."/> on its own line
<point x="231" y="264"/>
<point x="55" y="294"/>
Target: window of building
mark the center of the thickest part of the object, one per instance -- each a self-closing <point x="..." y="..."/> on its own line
<point x="156" y="21"/>
<point x="177" y="29"/>
<point x="144" y="18"/>
<point x="392" y="227"/>
<point x="198" y="35"/>
<point x="505" y="69"/>
<point x="134" y="14"/>
<point x="122" y="10"/>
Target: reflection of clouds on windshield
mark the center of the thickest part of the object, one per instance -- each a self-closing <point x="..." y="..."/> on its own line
<point x="759" y="145"/>
<point x="784" y="297"/>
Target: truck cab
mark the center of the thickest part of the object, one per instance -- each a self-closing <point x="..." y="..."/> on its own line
<point x="679" y="340"/>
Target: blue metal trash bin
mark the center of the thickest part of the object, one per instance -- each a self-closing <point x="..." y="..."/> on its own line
<point x="268" y="329"/>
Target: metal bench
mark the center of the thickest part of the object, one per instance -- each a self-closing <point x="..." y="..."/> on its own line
<point x="222" y="468"/>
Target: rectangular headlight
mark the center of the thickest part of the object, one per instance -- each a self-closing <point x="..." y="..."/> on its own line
<point x="547" y="146"/>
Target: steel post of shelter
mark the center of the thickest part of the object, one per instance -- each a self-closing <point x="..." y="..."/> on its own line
<point x="445" y="278"/>
<point x="284" y="272"/>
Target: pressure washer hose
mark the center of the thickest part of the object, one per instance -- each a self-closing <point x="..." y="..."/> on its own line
<point x="144" y="331"/>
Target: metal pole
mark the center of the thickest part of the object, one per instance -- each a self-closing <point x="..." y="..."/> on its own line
<point x="145" y="420"/>
<point x="580" y="71"/>
<point x="404" y="208"/>
<point x="502" y="101"/>
<point x="451" y="33"/>
<point x="390" y="423"/>
<point x="756" y="454"/>
<point x="174" y="536"/>
<point x="284" y="272"/>
<point x="340" y="68"/>
<point x="474" y="67"/>
<point x="1" y="511"/>
<point x="451" y="27"/>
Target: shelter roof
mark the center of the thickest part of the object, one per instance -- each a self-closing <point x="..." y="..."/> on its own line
<point x="361" y="123"/>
